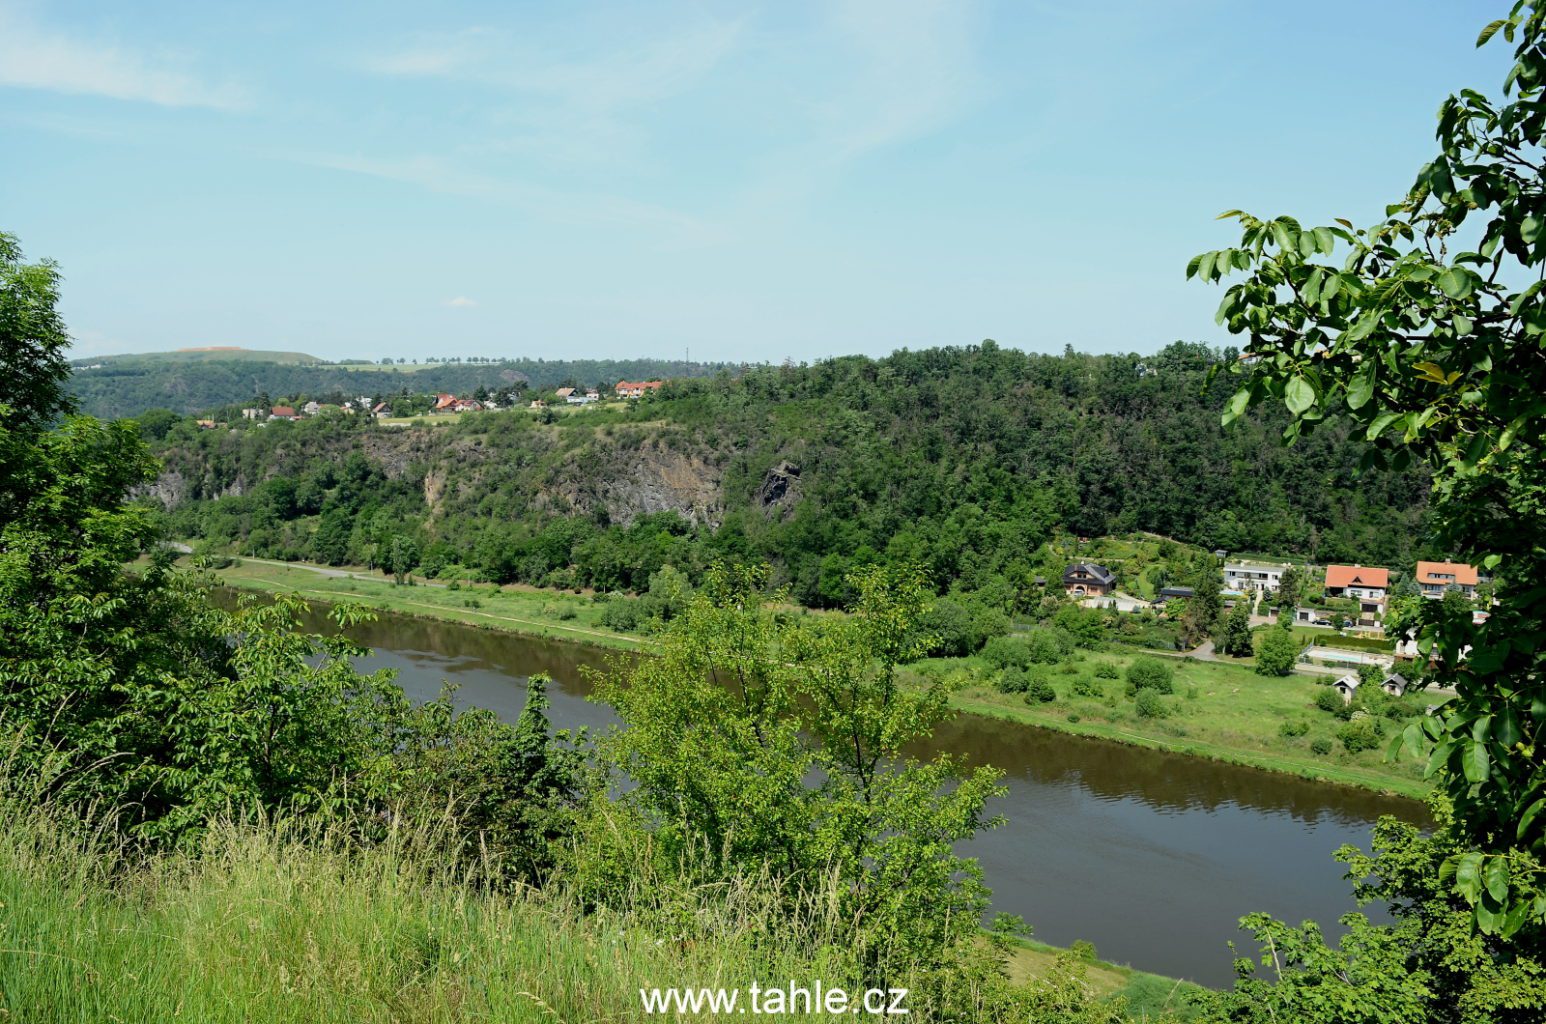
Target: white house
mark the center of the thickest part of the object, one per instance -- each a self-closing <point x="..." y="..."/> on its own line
<point x="1347" y="686"/>
<point x="1245" y="577"/>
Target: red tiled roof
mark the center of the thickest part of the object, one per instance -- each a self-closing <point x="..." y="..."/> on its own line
<point x="1357" y="576"/>
<point x="282" y="410"/>
<point x="1464" y="575"/>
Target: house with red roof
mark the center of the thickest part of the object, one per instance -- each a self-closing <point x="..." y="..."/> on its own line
<point x="637" y="389"/>
<point x="1435" y="578"/>
<point x="1368" y="586"/>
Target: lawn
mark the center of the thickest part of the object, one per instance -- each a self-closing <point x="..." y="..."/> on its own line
<point x="1306" y="635"/>
<point x="1219" y="710"/>
<point x="547" y="613"/>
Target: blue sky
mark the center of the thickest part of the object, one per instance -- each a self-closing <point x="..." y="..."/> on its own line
<point x="752" y="181"/>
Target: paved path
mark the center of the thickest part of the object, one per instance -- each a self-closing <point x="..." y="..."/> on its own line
<point x="327" y="570"/>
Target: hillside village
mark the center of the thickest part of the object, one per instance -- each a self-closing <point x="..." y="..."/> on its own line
<point x="1333" y="607"/>
<point x="406" y="406"/>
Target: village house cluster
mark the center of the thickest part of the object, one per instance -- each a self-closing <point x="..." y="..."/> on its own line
<point x="351" y="407"/>
<point x="446" y="403"/>
<point x="1367" y="589"/>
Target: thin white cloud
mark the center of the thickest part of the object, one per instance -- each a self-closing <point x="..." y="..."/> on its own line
<point x="437" y="174"/>
<point x="642" y="72"/>
<point x="915" y="68"/>
<point x="580" y="100"/>
<point x="34" y="57"/>
<point x="461" y="302"/>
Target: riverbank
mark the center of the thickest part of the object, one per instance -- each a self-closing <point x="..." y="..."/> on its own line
<point x="1222" y="712"/>
<point x="1219" y="711"/>
<point x="554" y="615"/>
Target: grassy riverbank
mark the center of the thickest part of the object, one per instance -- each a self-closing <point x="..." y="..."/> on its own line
<point x="288" y="921"/>
<point x="1222" y="711"/>
<point x="1225" y="712"/>
<point x="546" y="613"/>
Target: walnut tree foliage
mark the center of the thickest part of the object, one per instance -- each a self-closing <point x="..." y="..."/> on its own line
<point x="1427" y="330"/>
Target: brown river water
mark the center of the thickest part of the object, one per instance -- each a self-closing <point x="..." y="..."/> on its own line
<point x="1152" y="856"/>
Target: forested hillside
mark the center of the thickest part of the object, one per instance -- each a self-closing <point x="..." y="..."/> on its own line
<point x="195" y="381"/>
<point x="964" y="460"/>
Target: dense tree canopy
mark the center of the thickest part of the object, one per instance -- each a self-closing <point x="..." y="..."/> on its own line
<point x="962" y="460"/>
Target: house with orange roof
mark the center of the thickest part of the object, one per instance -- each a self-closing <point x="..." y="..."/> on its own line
<point x="636" y="389"/>
<point x="1358" y="581"/>
<point x="1369" y="587"/>
<point x="1435" y="578"/>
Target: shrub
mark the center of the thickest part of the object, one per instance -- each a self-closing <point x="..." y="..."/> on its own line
<point x="1330" y="700"/>
<point x="622" y="614"/>
<point x="1288" y="730"/>
<point x="1083" y="949"/>
<point x="1275" y="652"/>
<point x="1150" y="704"/>
<point x="1084" y="687"/>
<point x="1007" y="652"/>
<point x="1360" y="735"/>
<point x="1048" y="646"/>
<point x="567" y="612"/>
<point x="1151" y="674"/>
<point x="1107" y="670"/>
<point x="1012" y="680"/>
<point x="1321" y="746"/>
<point x="1040" y="691"/>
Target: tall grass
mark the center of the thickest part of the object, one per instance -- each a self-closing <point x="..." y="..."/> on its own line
<point x="285" y="920"/>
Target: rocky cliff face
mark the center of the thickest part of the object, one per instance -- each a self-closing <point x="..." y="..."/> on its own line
<point x="627" y="482"/>
<point x="566" y="472"/>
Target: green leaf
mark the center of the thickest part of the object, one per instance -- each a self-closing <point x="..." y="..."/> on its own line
<point x="1298" y="395"/>
<point x="1361" y="388"/>
<point x="1476" y="762"/>
<point x="1528" y="818"/>
<point x="1495" y="876"/>
<point x="1381" y="421"/>
<point x="1490" y="31"/>
<point x="1238" y="403"/>
<point x="1508" y="731"/>
<point x="1490" y="920"/>
<point x="1530" y="229"/>
<point x="1205" y="265"/>
<point x="1468" y="876"/>
<point x="1455" y="283"/>
<point x="1463" y="325"/>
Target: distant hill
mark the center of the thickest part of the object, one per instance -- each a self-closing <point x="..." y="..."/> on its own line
<point x="204" y="354"/>
<point x="195" y="380"/>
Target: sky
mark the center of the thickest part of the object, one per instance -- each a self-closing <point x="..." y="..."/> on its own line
<point x="741" y="181"/>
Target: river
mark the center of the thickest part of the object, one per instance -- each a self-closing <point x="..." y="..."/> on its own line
<point x="1152" y="856"/>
